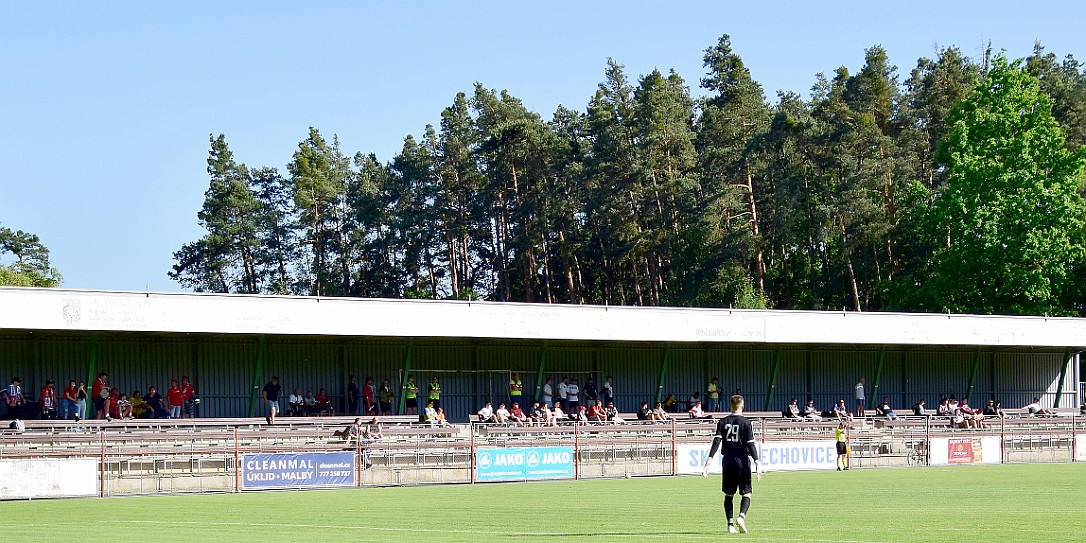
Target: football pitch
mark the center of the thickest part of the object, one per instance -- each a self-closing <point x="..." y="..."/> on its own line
<point x="965" y="503"/>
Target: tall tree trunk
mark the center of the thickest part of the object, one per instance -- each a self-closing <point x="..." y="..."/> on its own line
<point x="759" y="260"/>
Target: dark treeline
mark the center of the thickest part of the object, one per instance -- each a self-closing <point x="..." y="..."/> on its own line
<point x="874" y="194"/>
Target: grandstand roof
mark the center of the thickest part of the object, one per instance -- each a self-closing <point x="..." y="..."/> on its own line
<point x="28" y="309"/>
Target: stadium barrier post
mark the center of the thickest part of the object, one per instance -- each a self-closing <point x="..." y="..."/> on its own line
<point x="359" y="458"/>
<point x="576" y="451"/>
<point x="674" y="450"/>
<point x="102" y="462"/>
<point x="237" y="461"/>
<point x="471" y="456"/>
<point x="1002" y="441"/>
<point x="927" y="442"/>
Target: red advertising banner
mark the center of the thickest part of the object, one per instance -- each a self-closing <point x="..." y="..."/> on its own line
<point x="964" y="450"/>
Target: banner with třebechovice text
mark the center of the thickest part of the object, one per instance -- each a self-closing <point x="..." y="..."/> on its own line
<point x="773" y="456"/>
<point x="298" y="470"/>
<point x="523" y="463"/>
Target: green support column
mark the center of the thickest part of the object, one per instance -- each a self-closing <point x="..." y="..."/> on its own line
<point x="662" y="374"/>
<point x="773" y="372"/>
<point x="539" y="373"/>
<point x="973" y="376"/>
<point x="871" y="401"/>
<point x="1063" y="375"/>
<point x="408" y="355"/>
<point x="258" y="375"/>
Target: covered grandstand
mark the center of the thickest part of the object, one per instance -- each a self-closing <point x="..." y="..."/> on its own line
<point x="230" y="345"/>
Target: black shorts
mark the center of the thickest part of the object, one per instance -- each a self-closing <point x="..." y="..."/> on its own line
<point x="736" y="478"/>
<point x="412" y="402"/>
<point x="842" y="448"/>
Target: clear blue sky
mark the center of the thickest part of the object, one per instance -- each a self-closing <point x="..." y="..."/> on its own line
<point x="106" y="107"/>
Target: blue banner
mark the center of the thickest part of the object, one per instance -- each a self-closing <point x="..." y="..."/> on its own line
<point x="298" y="470"/>
<point x="519" y="464"/>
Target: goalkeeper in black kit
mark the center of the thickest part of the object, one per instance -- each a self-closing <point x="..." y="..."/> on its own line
<point x="734" y="437"/>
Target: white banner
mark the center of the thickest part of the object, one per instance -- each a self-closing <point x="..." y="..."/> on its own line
<point x="26" y="479"/>
<point x="966" y="449"/>
<point x="1080" y="448"/>
<point x="773" y="456"/>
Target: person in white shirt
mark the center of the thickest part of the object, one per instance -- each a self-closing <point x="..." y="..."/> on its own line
<point x="296" y="403"/>
<point x="557" y="415"/>
<point x="697" y="413"/>
<point x="501" y="415"/>
<point x="574" y="396"/>
<point x="1034" y="409"/>
<point x="548" y="393"/>
<point x="563" y="394"/>
<point x="486" y="414"/>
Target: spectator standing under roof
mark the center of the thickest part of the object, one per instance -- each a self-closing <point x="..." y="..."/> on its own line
<point x="713" y="391"/>
<point x="188" y="397"/>
<point x="386" y="396"/>
<point x="47" y="401"/>
<point x="411" y="396"/>
<point x="591" y="394"/>
<point x="516" y="389"/>
<point x="368" y="405"/>
<point x="353" y="395"/>
<point x="548" y="393"/>
<point x="98" y="398"/>
<point x="175" y="397"/>
<point x="434" y="394"/>
<point x="861" y="397"/>
<point x="271" y="393"/>
<point x="14" y="399"/>
<point x="607" y="391"/>
<point x="574" y="395"/>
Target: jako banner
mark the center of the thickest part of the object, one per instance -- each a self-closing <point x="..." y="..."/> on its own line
<point x="519" y="464"/>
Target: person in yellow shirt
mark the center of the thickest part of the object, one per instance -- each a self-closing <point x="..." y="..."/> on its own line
<point x="139" y="407"/>
<point x="434" y="396"/>
<point x="713" y="391"/>
<point x="842" y="447"/>
<point x="411" y="396"/>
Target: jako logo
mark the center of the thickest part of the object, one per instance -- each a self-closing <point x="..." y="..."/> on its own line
<point x="485" y="460"/>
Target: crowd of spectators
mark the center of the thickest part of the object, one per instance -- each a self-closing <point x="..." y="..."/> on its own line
<point x="103" y="401"/>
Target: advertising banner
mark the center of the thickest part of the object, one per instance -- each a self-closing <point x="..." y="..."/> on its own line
<point x="774" y="456"/>
<point x="519" y="464"/>
<point x="298" y="470"/>
<point x="32" y="479"/>
<point x="966" y="450"/>
<point x="1080" y="448"/>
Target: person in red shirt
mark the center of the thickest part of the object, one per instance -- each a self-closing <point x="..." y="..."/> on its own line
<point x="99" y="397"/>
<point x="188" y="397"/>
<point x="367" y="397"/>
<point x="324" y="403"/>
<point x="113" y="407"/>
<point x="68" y="402"/>
<point x="175" y="397"/>
<point x="596" y="412"/>
<point x="47" y="401"/>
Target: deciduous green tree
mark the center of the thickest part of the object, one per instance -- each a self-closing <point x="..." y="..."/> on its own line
<point x="1009" y="229"/>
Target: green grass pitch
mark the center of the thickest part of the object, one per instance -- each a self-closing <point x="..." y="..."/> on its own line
<point x="962" y="503"/>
